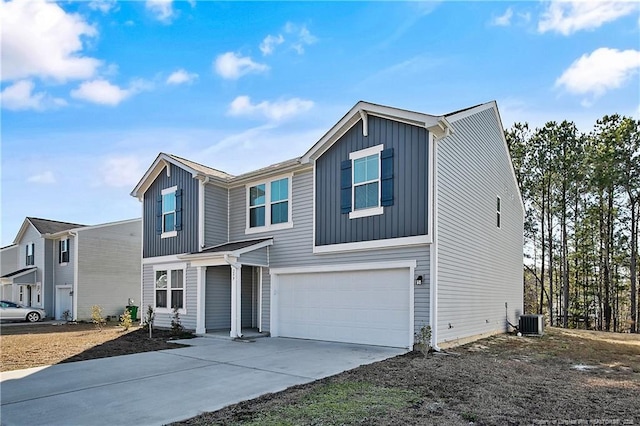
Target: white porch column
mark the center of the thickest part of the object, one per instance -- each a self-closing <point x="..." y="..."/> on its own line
<point x="200" y="297"/>
<point x="236" y="300"/>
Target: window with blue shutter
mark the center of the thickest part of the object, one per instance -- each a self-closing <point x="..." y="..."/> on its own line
<point x="386" y="178"/>
<point x="169" y="212"/>
<point x="345" y="186"/>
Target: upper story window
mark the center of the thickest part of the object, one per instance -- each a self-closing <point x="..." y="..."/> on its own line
<point x="29" y="256"/>
<point x="498" y="212"/>
<point x="169" y="289"/>
<point x="63" y="251"/>
<point x="269" y="205"/>
<point x="366" y="182"/>
<point x="169" y="212"/>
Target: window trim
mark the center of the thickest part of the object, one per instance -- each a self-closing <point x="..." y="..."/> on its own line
<point x="356" y="155"/>
<point x="61" y="260"/>
<point x="33" y="254"/>
<point x="174" y="233"/>
<point x="267" y="205"/>
<point x="168" y="268"/>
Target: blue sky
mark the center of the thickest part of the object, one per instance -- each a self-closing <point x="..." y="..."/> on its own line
<point x="92" y="91"/>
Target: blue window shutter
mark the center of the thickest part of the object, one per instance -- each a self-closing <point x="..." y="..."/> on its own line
<point x="386" y="178"/>
<point x="159" y="215"/>
<point x="345" y="187"/>
<point x="179" y="210"/>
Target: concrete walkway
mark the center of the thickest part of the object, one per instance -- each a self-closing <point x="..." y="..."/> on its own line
<point x="161" y="387"/>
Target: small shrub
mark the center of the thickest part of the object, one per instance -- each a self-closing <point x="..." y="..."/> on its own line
<point x="147" y="322"/>
<point x="66" y="315"/>
<point x="177" y="329"/>
<point x="96" y="317"/>
<point x="125" y="319"/>
<point x="423" y="339"/>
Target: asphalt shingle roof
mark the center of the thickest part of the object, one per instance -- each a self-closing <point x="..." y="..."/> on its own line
<point x="46" y="226"/>
<point x="232" y="246"/>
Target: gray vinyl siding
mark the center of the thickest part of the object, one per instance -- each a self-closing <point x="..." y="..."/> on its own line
<point x="163" y="319"/>
<point x="63" y="273"/>
<point x="187" y="239"/>
<point x="246" y="299"/>
<point x="109" y="262"/>
<point x="216" y="215"/>
<point x="9" y="260"/>
<point x="46" y="277"/>
<point x="218" y="298"/>
<point x="42" y="252"/>
<point x="479" y="266"/>
<point x="294" y="247"/>
<point x="407" y="216"/>
<point x="256" y="257"/>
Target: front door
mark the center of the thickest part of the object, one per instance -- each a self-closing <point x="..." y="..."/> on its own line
<point x="64" y="303"/>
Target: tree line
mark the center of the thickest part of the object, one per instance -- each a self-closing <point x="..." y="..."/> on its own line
<point x="582" y="200"/>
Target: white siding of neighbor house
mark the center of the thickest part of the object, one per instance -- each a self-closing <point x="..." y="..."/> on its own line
<point x="109" y="262"/>
<point x="294" y="247"/>
<point x="8" y="260"/>
<point x="479" y="267"/>
<point x="42" y="260"/>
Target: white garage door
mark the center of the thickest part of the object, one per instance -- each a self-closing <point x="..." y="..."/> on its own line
<point x="368" y="307"/>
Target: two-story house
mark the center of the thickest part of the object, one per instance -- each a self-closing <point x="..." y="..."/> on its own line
<point x="392" y="221"/>
<point x="66" y="268"/>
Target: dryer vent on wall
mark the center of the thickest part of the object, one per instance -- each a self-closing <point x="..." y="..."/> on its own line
<point x="531" y="324"/>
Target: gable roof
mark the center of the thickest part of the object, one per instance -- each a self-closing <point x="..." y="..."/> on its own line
<point x="162" y="162"/>
<point x="45" y="226"/>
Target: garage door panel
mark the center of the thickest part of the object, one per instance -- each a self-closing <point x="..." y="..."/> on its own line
<point x="369" y="307"/>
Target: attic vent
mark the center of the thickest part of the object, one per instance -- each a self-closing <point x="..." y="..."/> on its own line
<point x="531" y="324"/>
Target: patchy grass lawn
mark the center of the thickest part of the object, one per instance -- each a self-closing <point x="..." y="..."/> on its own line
<point x="35" y="345"/>
<point x="563" y="377"/>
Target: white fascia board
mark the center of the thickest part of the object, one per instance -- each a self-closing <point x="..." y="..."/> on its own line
<point x="88" y="228"/>
<point x="374" y="244"/>
<point x="345" y="267"/>
<point x="253" y="247"/>
<point x="161" y="259"/>
<point x="23" y="229"/>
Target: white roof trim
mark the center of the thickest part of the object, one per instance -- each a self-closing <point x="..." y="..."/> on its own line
<point x="435" y="124"/>
<point x="23" y="229"/>
<point x="221" y="254"/>
<point x="86" y="228"/>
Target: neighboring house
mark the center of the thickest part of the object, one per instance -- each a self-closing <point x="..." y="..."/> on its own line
<point x="61" y="266"/>
<point x="392" y="221"/>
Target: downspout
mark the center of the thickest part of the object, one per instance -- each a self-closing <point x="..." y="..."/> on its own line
<point x="433" y="279"/>
<point x="75" y="273"/>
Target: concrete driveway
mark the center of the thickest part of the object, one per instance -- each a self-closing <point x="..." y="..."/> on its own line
<point x="165" y="386"/>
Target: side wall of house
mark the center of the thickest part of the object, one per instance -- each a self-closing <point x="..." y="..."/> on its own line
<point x="9" y="260"/>
<point x="109" y="262"/>
<point x="41" y="252"/>
<point x="163" y="319"/>
<point x="63" y="272"/>
<point x="479" y="266"/>
<point x="294" y="247"/>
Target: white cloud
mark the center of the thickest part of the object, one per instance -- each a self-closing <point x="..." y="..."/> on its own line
<point x="39" y="39"/>
<point x="122" y="171"/>
<point x="46" y="178"/>
<point x="181" y="76"/>
<point x="162" y="9"/>
<point x="104" y="93"/>
<point x="602" y="70"/>
<point x="302" y="34"/>
<point x="104" y="6"/>
<point x="567" y="17"/>
<point x="269" y="44"/>
<point x="232" y="66"/>
<point x="276" y="111"/>
<point x="20" y="96"/>
<point x="504" y="20"/>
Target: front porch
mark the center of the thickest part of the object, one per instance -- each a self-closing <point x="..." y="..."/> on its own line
<point x="229" y="287"/>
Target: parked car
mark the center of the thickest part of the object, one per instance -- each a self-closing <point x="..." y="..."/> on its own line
<point x="15" y="311"/>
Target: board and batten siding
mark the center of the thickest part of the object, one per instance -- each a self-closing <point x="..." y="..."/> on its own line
<point x="162" y="319"/>
<point x="293" y="247"/>
<point x="109" y="263"/>
<point x="187" y="239"/>
<point x="479" y="266"/>
<point x="407" y="217"/>
<point x="216" y="215"/>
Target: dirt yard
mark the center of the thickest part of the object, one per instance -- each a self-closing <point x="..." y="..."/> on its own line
<point x="565" y="377"/>
<point x="26" y="345"/>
